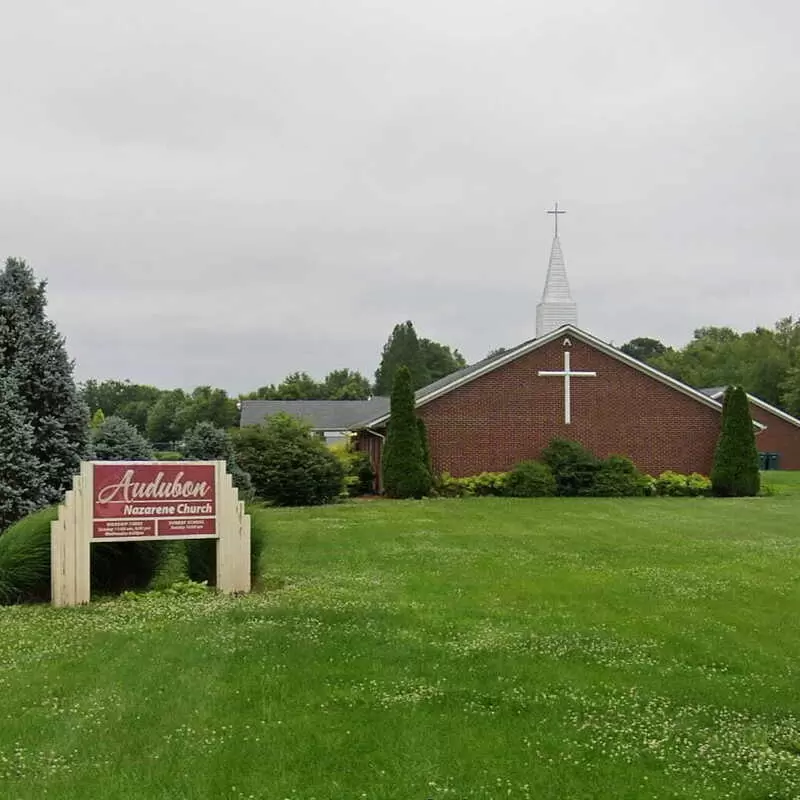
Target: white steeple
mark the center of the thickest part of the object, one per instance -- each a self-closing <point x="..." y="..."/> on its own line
<point x="557" y="307"/>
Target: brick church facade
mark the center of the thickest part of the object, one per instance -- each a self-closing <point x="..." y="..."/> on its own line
<point x="495" y="414"/>
<point x="564" y="383"/>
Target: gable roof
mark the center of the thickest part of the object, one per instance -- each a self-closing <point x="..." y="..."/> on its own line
<point x="716" y="393"/>
<point x="323" y="415"/>
<point x="467" y="374"/>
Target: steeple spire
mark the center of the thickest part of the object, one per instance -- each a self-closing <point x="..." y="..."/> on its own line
<point x="557" y="307"/>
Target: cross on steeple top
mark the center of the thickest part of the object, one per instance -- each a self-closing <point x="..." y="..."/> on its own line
<point x="555" y="212"/>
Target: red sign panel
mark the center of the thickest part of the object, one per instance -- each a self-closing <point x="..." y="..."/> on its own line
<point x="154" y="499"/>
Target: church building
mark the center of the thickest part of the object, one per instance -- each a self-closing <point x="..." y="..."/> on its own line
<point x="563" y="383"/>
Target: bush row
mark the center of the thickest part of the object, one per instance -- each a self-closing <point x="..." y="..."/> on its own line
<point x="566" y="469"/>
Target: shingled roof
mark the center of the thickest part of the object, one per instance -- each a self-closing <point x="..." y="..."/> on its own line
<point x="323" y="415"/>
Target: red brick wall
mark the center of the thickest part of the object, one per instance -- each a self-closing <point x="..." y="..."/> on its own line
<point x="779" y="437"/>
<point x="511" y="414"/>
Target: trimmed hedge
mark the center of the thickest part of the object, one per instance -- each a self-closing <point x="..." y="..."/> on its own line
<point x="735" y="472"/>
<point x="616" y="476"/>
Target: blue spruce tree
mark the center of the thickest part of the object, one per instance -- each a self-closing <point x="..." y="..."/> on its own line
<point x="31" y="346"/>
<point x="20" y="486"/>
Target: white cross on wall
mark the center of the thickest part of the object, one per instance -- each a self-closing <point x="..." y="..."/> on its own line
<point x="566" y="374"/>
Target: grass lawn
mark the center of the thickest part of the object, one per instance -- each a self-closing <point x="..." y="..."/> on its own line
<point x="482" y="648"/>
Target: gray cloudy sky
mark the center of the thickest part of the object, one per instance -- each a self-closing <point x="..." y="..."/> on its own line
<point x="224" y="192"/>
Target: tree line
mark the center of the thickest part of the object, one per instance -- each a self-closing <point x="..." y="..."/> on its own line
<point x="765" y="361"/>
<point x="165" y="415"/>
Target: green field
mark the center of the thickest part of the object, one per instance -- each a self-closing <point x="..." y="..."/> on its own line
<point x="481" y="648"/>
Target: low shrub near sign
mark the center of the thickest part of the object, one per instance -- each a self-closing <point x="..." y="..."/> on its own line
<point x="115" y="566"/>
<point x="25" y="558"/>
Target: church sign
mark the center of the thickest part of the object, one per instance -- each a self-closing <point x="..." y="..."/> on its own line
<point x="126" y="501"/>
<point x="135" y="501"/>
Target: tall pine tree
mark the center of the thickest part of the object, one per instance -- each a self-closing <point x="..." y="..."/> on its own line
<point x="405" y="473"/>
<point x="736" y="470"/>
<point x="32" y="348"/>
<point x="402" y="349"/>
<point x="20" y="485"/>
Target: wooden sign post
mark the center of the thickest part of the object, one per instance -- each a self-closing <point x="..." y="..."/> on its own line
<point x="131" y="501"/>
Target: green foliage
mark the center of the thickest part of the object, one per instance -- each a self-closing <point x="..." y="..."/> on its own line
<point x="33" y="352"/>
<point x="20" y="484"/>
<point x="358" y="472"/>
<point x="531" y="479"/>
<point x="172" y="565"/>
<point x="207" y="404"/>
<point x="202" y="553"/>
<point x="765" y="362"/>
<point x="483" y="485"/>
<point x="674" y="484"/>
<point x="426" y="450"/>
<point x="643" y="348"/>
<point x="573" y="466"/>
<point x="25" y="558"/>
<point x="287" y="465"/>
<point x="168" y="455"/>
<point x="115" y="566"/>
<point x="166" y="422"/>
<point x="401" y="349"/>
<point x="790" y="391"/>
<point x="405" y="473"/>
<point x="117" y="440"/>
<point x="346" y="384"/>
<point x="98" y="418"/>
<point x="206" y="442"/>
<point x="440" y="359"/>
<point x="735" y="472"/>
<point x="618" y="477"/>
<point x="339" y="384"/>
<point x="124" y="399"/>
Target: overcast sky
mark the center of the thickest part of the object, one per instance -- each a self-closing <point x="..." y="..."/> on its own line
<point x="224" y="192"/>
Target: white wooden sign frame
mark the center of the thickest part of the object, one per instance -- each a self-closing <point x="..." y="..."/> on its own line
<point x="72" y="534"/>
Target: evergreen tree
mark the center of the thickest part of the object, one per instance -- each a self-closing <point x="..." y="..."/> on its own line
<point x="736" y="470"/>
<point x="20" y="484"/>
<point x="402" y="349"/>
<point x="404" y="471"/>
<point x="206" y="442"/>
<point x="31" y="345"/>
<point x="117" y="440"/>
<point x="426" y="452"/>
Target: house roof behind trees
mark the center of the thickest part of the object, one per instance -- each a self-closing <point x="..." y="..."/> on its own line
<point x="322" y="415"/>
<point x="718" y="392"/>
